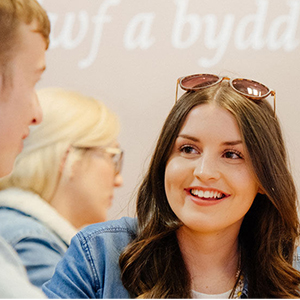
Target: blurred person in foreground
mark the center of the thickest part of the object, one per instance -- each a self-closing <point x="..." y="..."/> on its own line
<point x="63" y="180"/>
<point x="24" y="39"/>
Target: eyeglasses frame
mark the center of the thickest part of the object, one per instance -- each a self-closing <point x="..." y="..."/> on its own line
<point x="117" y="152"/>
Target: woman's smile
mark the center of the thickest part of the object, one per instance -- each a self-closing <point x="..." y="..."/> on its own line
<point x="206" y="196"/>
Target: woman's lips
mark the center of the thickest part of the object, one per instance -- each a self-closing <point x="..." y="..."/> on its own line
<point x="206" y="196"/>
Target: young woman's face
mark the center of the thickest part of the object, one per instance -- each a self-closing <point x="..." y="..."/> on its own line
<point x="91" y="187"/>
<point x="209" y="181"/>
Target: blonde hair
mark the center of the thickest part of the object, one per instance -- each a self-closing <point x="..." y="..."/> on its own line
<point x="70" y="120"/>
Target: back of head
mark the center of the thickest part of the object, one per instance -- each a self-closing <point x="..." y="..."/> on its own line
<point x="70" y="119"/>
<point x="12" y="14"/>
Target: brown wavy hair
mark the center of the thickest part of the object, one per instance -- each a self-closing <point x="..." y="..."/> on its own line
<point x="152" y="265"/>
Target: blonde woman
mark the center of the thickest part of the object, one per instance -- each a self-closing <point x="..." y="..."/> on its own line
<point x="63" y="180"/>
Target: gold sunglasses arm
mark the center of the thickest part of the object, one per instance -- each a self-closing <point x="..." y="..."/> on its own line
<point x="177" y="89"/>
<point x="273" y="93"/>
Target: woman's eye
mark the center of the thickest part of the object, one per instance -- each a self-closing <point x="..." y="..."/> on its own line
<point x="233" y="155"/>
<point x="188" y="150"/>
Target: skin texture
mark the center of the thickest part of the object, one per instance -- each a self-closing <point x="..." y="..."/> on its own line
<point x="19" y="106"/>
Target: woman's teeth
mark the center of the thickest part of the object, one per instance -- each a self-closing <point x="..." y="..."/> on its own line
<point x="207" y="194"/>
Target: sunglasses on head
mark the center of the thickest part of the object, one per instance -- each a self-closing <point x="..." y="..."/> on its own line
<point x="246" y="87"/>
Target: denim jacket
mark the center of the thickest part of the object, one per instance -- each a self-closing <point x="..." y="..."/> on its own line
<point x="90" y="268"/>
<point x="35" y="231"/>
<point x="13" y="279"/>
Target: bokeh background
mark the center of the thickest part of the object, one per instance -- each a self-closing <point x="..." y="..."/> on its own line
<point x="129" y="54"/>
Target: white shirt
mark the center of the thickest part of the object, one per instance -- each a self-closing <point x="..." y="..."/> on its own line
<point x="198" y="295"/>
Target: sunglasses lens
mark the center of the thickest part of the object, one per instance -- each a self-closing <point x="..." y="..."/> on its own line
<point x="250" y="88"/>
<point x="198" y="81"/>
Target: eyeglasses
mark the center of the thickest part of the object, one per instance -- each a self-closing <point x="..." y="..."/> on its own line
<point x="116" y="155"/>
<point x="246" y="87"/>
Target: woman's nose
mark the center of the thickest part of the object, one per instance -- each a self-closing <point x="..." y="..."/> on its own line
<point x="118" y="180"/>
<point x="206" y="168"/>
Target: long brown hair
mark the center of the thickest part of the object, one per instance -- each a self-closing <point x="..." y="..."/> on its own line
<point x="152" y="265"/>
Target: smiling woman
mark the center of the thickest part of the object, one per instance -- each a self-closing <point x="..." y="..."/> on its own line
<point x="216" y="212"/>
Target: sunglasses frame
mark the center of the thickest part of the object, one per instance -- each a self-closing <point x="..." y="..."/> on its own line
<point x="220" y="79"/>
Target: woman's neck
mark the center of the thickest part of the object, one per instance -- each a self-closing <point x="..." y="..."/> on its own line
<point x="211" y="259"/>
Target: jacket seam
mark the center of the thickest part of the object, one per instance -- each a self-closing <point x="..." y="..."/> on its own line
<point x="108" y="230"/>
<point x="85" y="246"/>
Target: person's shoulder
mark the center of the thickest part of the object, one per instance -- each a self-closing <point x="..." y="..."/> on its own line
<point x="125" y="225"/>
<point x="116" y="232"/>
<point x="13" y="214"/>
<point x="17" y="225"/>
<point x="14" y="219"/>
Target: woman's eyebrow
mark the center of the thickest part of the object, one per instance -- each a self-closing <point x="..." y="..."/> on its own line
<point x="227" y="143"/>
<point x="232" y="143"/>
<point x="189" y="137"/>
